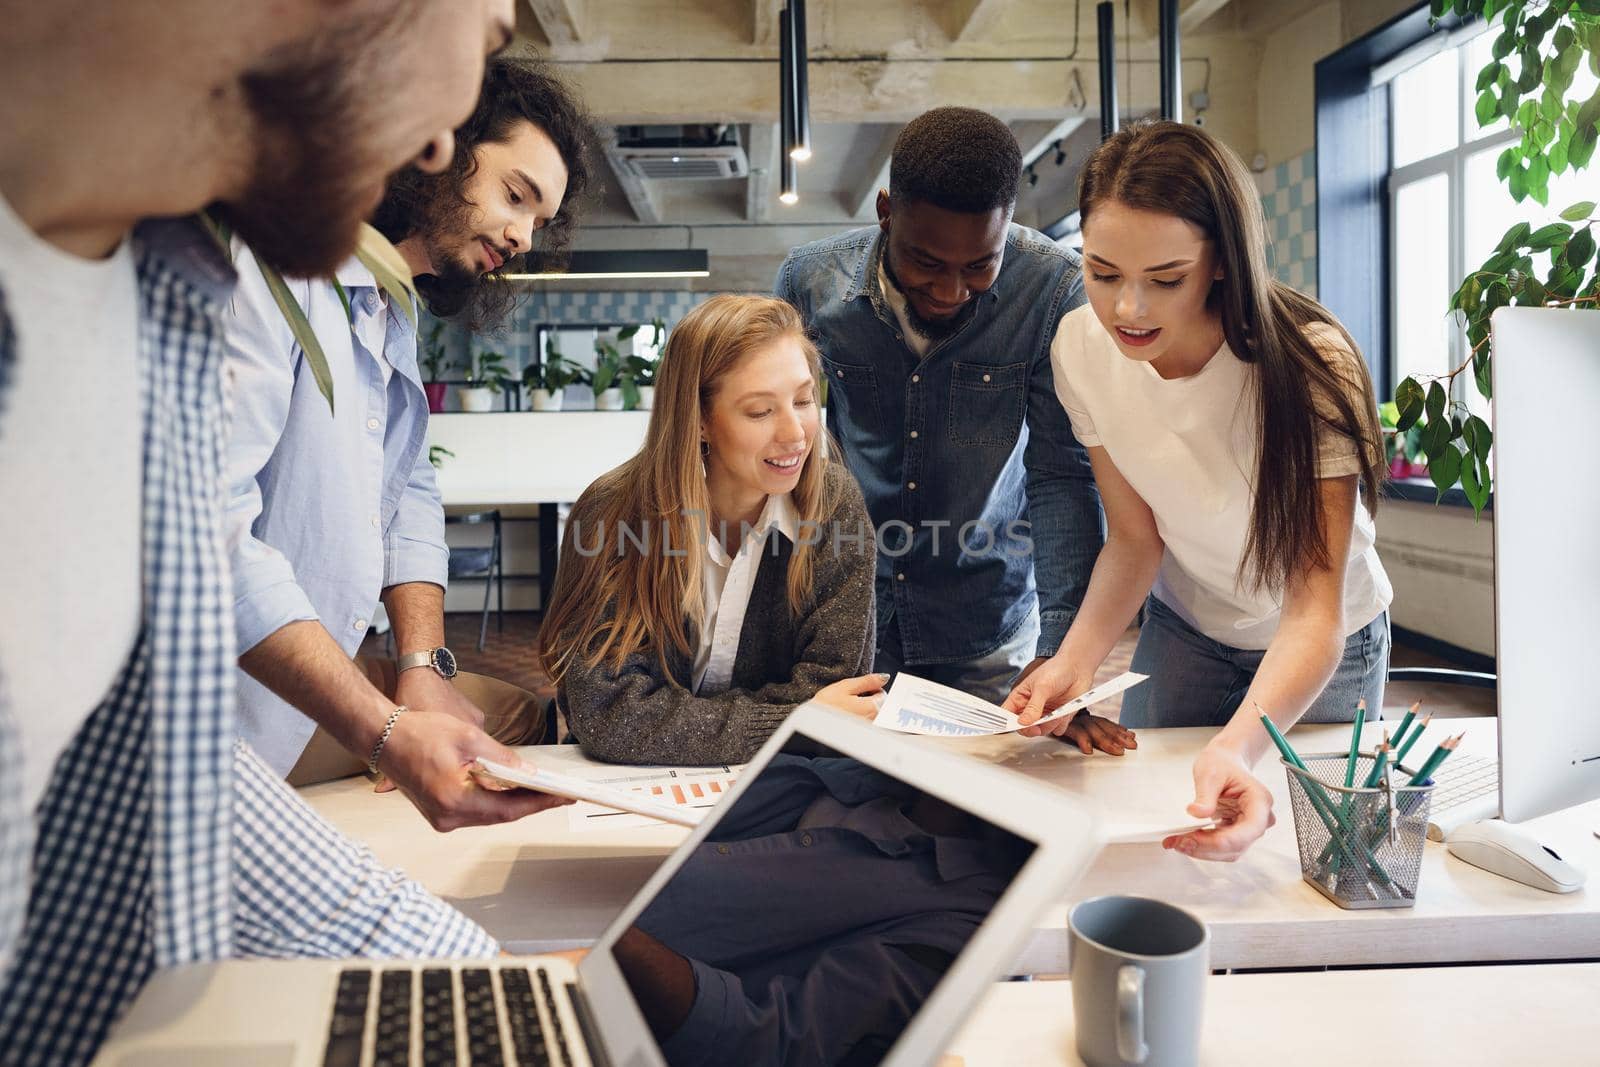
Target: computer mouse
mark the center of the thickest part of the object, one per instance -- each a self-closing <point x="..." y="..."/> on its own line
<point x="1502" y="849"/>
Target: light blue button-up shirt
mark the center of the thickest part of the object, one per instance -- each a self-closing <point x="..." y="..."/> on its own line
<point x="325" y="510"/>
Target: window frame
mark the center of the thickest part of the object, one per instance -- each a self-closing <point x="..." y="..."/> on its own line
<point x="1452" y="162"/>
<point x="1353" y="157"/>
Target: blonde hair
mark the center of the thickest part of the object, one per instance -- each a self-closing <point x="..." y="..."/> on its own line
<point x="610" y="603"/>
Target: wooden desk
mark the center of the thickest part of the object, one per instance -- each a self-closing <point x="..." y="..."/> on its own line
<point x="537" y="886"/>
<point x="1460" y="1016"/>
<point x="1262" y="914"/>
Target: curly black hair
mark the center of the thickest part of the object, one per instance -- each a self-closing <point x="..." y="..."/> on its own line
<point x="516" y="88"/>
<point x="956" y="158"/>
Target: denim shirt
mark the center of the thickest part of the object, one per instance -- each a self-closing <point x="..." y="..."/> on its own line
<point x="325" y="510"/>
<point x="966" y="458"/>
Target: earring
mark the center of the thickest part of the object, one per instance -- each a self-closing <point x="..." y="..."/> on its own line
<point x="705" y="453"/>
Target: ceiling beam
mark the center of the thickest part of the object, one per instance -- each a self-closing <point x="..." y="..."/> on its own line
<point x="762" y="151"/>
<point x="971" y="20"/>
<point x="1198" y="11"/>
<point x="1044" y="139"/>
<point x="641" y="198"/>
<point x="849" y="92"/>
<point x="858" y="200"/>
<point x="764" y="21"/>
<point x="564" y="22"/>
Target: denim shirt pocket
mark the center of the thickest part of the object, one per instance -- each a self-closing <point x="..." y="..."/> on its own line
<point x="854" y="387"/>
<point x="987" y="403"/>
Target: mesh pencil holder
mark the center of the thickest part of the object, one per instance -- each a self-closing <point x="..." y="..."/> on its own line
<point x="1361" y="847"/>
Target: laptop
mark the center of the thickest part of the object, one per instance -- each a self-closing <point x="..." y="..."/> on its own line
<point x="850" y="901"/>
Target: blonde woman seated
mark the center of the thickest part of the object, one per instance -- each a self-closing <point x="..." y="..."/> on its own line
<point x="725" y="573"/>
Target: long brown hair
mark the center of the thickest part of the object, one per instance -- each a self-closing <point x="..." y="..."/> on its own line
<point x="1173" y="169"/>
<point x="613" y="599"/>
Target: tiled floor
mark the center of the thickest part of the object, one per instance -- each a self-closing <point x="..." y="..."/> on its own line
<point x="513" y="656"/>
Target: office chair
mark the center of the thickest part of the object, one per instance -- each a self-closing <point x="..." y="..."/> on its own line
<point x="482" y="562"/>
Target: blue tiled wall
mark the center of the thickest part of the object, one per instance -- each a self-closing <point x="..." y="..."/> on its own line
<point x="1289" y="197"/>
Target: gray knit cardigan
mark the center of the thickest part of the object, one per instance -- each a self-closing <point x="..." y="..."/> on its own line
<point x="637" y="716"/>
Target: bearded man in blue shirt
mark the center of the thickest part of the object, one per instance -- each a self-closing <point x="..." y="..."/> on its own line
<point x="329" y="510"/>
<point x="935" y="329"/>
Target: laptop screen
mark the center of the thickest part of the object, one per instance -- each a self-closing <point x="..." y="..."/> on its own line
<point x="816" y="918"/>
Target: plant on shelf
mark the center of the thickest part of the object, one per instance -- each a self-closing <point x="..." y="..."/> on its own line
<point x="485" y="377"/>
<point x="435" y="358"/>
<point x="437" y="454"/>
<point x="639" y="382"/>
<point x="1537" y="52"/>
<point x="607" y="380"/>
<point x="548" y="378"/>
<point x="638" y="372"/>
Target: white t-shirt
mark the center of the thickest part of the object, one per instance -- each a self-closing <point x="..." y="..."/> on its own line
<point x="725" y="586"/>
<point x="914" y="338"/>
<point x="1188" y="447"/>
<point x="70" y="453"/>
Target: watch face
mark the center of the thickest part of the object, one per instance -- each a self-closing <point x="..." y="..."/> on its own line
<point x="444" y="661"/>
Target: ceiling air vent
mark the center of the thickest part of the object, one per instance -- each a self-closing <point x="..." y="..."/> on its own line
<point x="680" y="152"/>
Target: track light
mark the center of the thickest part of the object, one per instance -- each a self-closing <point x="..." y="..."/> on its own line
<point x="789" y="184"/>
<point x="1105" y="18"/>
<point x="1033" y="177"/>
<point x="799" y="146"/>
<point x="1061" y="153"/>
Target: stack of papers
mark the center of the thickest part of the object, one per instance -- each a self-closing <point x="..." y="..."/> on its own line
<point x="617" y="797"/>
<point x="917" y="706"/>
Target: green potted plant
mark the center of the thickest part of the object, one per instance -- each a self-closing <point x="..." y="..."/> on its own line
<point x="607" y="378"/>
<point x="638" y="373"/>
<point x="639" y="382"/>
<point x="1544" y="266"/>
<point x="435" y="358"/>
<point x="486" y="377"/>
<point x="549" y="378"/>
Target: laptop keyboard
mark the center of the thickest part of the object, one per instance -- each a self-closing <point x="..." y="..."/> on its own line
<point x="383" y="1024"/>
<point x="1463" y="779"/>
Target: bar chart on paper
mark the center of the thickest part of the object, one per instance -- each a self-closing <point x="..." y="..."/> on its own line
<point x="688" y="788"/>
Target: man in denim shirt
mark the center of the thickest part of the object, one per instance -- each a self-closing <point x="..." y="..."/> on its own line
<point x="935" y="331"/>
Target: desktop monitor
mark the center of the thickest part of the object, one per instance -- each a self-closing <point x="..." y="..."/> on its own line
<point x="1547" y="557"/>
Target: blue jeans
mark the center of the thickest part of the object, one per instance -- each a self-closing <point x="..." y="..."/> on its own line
<point x="1195" y="681"/>
<point x="989" y="676"/>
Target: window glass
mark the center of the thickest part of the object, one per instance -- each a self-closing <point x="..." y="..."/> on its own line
<point x="1427" y="108"/>
<point x="1422" y="282"/>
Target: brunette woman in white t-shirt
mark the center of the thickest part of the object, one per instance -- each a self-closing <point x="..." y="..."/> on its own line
<point x="1234" y="437"/>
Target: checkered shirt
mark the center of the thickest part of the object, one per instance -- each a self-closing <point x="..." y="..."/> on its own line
<point x="160" y="840"/>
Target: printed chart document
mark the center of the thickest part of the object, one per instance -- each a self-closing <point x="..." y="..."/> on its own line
<point x="1123" y="830"/>
<point x="917" y="706"/>
<point x="634" y="796"/>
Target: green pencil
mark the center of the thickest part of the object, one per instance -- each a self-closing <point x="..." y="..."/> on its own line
<point x="1375" y="775"/>
<point x="1440" y="754"/>
<point x="1355" y="743"/>
<point x="1278" y="739"/>
<point x="1405" y="723"/>
<point x="1416" y="735"/>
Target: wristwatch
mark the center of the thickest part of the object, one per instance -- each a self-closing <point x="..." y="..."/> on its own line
<point x="441" y="659"/>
